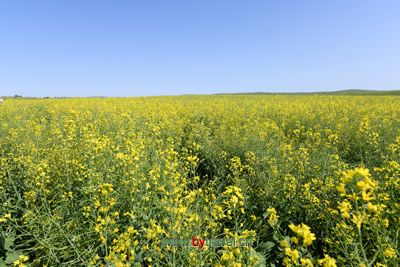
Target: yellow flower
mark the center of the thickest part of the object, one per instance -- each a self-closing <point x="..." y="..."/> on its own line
<point x="347" y="177"/>
<point x="390" y="252"/>
<point x="357" y="219"/>
<point x="306" y="262"/>
<point x="308" y="238"/>
<point x="327" y="261"/>
<point x="363" y="172"/>
<point x="5" y="218"/>
<point x="372" y="207"/>
<point x="344" y="208"/>
<point x="385" y="223"/>
<point x="106" y="188"/>
<point x="284" y="243"/>
<point x="192" y="160"/>
<point x="273" y="217"/>
<point x="303" y="231"/>
<point x="367" y="196"/>
<point x="20" y="261"/>
<point x="227" y="256"/>
<point x="293" y="254"/>
<point x="341" y="188"/>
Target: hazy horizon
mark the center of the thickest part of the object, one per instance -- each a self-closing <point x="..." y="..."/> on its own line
<point x="221" y="93"/>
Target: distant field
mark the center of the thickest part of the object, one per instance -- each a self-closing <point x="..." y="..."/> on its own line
<point x="308" y="180"/>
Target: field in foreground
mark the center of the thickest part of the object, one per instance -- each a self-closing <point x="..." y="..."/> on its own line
<point x="311" y="180"/>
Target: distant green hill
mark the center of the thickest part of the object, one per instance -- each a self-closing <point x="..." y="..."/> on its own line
<point x="340" y="92"/>
<point x="364" y="92"/>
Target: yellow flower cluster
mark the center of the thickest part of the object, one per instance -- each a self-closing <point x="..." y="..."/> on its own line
<point x="303" y="231"/>
<point x="327" y="261"/>
<point x="234" y="198"/>
<point x="5" y="218"/>
<point x="365" y="209"/>
<point x="21" y="261"/>
<point x="273" y="216"/>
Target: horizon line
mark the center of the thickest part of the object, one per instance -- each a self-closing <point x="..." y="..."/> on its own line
<point x="218" y="93"/>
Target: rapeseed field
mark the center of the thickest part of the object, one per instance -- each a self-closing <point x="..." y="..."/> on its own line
<point x="311" y="180"/>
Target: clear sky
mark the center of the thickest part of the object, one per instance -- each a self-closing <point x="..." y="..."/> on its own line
<point x="150" y="47"/>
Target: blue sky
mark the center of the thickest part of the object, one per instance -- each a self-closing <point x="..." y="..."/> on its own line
<point x="149" y="47"/>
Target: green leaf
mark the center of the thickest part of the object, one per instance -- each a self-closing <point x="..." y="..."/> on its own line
<point x="13" y="256"/>
<point x="275" y="237"/>
<point x="267" y="246"/>
<point x="1" y="241"/>
<point x="8" y="242"/>
<point x="261" y="262"/>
